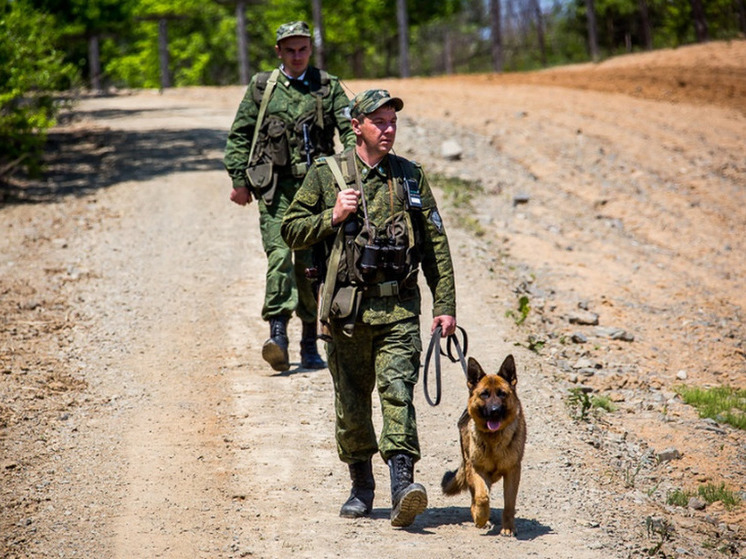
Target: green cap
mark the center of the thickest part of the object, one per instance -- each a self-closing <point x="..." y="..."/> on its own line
<point x="368" y="101"/>
<point x="293" y="29"/>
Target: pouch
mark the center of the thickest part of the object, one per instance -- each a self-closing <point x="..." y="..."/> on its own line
<point x="260" y="175"/>
<point x="264" y="180"/>
<point x="345" y="301"/>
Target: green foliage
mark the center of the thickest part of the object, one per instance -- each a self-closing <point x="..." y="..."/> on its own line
<point x="709" y="493"/>
<point x="580" y="403"/>
<point x="201" y="45"/>
<point x="78" y="20"/>
<point x="535" y="343"/>
<point x="30" y="72"/>
<point x="679" y="498"/>
<point x="524" y="308"/>
<point x="722" y="403"/>
<point x="603" y="403"/>
<point x="660" y="529"/>
<point x="460" y="192"/>
<point x="361" y="38"/>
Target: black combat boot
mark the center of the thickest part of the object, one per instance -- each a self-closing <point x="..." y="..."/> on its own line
<point x="360" y="502"/>
<point x="408" y="499"/>
<point x="275" y="349"/>
<point x="309" y="355"/>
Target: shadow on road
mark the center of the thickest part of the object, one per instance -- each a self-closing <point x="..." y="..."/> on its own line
<point x="528" y="529"/>
<point x="78" y="162"/>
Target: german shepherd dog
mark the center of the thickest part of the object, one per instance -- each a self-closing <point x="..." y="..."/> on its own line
<point x="493" y="435"/>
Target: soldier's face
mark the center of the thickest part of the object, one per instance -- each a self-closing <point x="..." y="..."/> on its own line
<point x="377" y="130"/>
<point x="295" y="53"/>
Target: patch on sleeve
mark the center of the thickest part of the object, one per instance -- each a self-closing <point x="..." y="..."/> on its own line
<point x="436" y="220"/>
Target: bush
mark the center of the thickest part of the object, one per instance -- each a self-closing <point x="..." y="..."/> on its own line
<point x="31" y="71"/>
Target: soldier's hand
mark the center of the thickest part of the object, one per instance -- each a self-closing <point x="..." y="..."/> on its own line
<point x="447" y="325"/>
<point x="345" y="205"/>
<point x="241" y="196"/>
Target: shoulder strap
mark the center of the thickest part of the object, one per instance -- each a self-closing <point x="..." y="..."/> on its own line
<point x="337" y="172"/>
<point x="271" y="82"/>
<point x="404" y="166"/>
<point x="323" y="92"/>
<point x="332" y="265"/>
<point x="327" y="290"/>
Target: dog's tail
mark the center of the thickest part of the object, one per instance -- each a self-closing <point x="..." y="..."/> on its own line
<point x="453" y="482"/>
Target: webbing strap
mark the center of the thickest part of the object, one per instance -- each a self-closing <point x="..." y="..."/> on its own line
<point x="337" y="172"/>
<point x="336" y="253"/>
<point x="271" y="82"/>
<point x="331" y="276"/>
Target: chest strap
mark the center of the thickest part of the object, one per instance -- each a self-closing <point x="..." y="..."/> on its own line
<point x="271" y="82"/>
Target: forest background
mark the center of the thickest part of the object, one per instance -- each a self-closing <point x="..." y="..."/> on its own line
<point x="53" y="46"/>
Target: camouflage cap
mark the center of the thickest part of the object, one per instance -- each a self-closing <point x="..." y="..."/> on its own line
<point x="368" y="101"/>
<point x="293" y="29"/>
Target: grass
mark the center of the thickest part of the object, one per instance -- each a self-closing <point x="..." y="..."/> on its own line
<point x="460" y="193"/>
<point x="524" y="308"/>
<point x="722" y="403"/>
<point x="709" y="493"/>
<point x="580" y="403"/>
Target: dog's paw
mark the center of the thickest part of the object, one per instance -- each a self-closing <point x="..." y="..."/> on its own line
<point x="508" y="532"/>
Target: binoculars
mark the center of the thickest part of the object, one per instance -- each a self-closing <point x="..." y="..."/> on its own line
<point x="382" y="255"/>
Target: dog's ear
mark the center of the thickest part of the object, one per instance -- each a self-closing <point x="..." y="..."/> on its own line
<point x="507" y="371"/>
<point x="474" y="373"/>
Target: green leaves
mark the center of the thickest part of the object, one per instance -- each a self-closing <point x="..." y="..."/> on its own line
<point x="31" y="70"/>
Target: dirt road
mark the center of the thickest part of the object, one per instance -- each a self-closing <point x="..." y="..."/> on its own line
<point x="137" y="419"/>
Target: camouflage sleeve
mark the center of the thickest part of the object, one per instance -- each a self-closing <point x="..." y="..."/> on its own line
<point x="308" y="219"/>
<point x="238" y="146"/>
<point x="436" y="255"/>
<point x="341" y="105"/>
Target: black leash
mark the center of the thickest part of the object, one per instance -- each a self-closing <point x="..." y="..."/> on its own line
<point x="435" y="340"/>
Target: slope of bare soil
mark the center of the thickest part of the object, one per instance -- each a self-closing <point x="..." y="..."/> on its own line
<point x="137" y="419"/>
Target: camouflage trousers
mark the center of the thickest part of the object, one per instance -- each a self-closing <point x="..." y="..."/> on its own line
<point x="286" y="289"/>
<point x="387" y="357"/>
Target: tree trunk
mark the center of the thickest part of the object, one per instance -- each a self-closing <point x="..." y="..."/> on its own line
<point x="163" y="52"/>
<point x="401" y="16"/>
<point x="592" y="34"/>
<point x="94" y="61"/>
<point x="647" y="33"/>
<point x="318" y="34"/>
<point x="741" y="11"/>
<point x="448" y="52"/>
<point x="540" y="31"/>
<point x="496" y="36"/>
<point x="358" y="58"/>
<point x="700" y="22"/>
<point x="243" y="43"/>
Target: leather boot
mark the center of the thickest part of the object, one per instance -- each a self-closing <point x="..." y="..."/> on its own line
<point x="275" y="349"/>
<point x="408" y="499"/>
<point x="360" y="502"/>
<point x="309" y="355"/>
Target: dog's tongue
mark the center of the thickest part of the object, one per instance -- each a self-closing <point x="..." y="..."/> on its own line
<point x="493" y="425"/>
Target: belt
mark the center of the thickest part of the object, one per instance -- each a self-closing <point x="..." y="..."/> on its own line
<point x="384" y="289"/>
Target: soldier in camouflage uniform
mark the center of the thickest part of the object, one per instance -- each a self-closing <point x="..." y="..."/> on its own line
<point x="286" y="119"/>
<point x="375" y="214"/>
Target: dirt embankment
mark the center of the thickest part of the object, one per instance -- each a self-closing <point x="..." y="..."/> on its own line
<point x="138" y="420"/>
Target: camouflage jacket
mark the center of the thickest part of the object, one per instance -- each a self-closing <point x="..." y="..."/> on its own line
<point x="291" y="103"/>
<point x="308" y="221"/>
